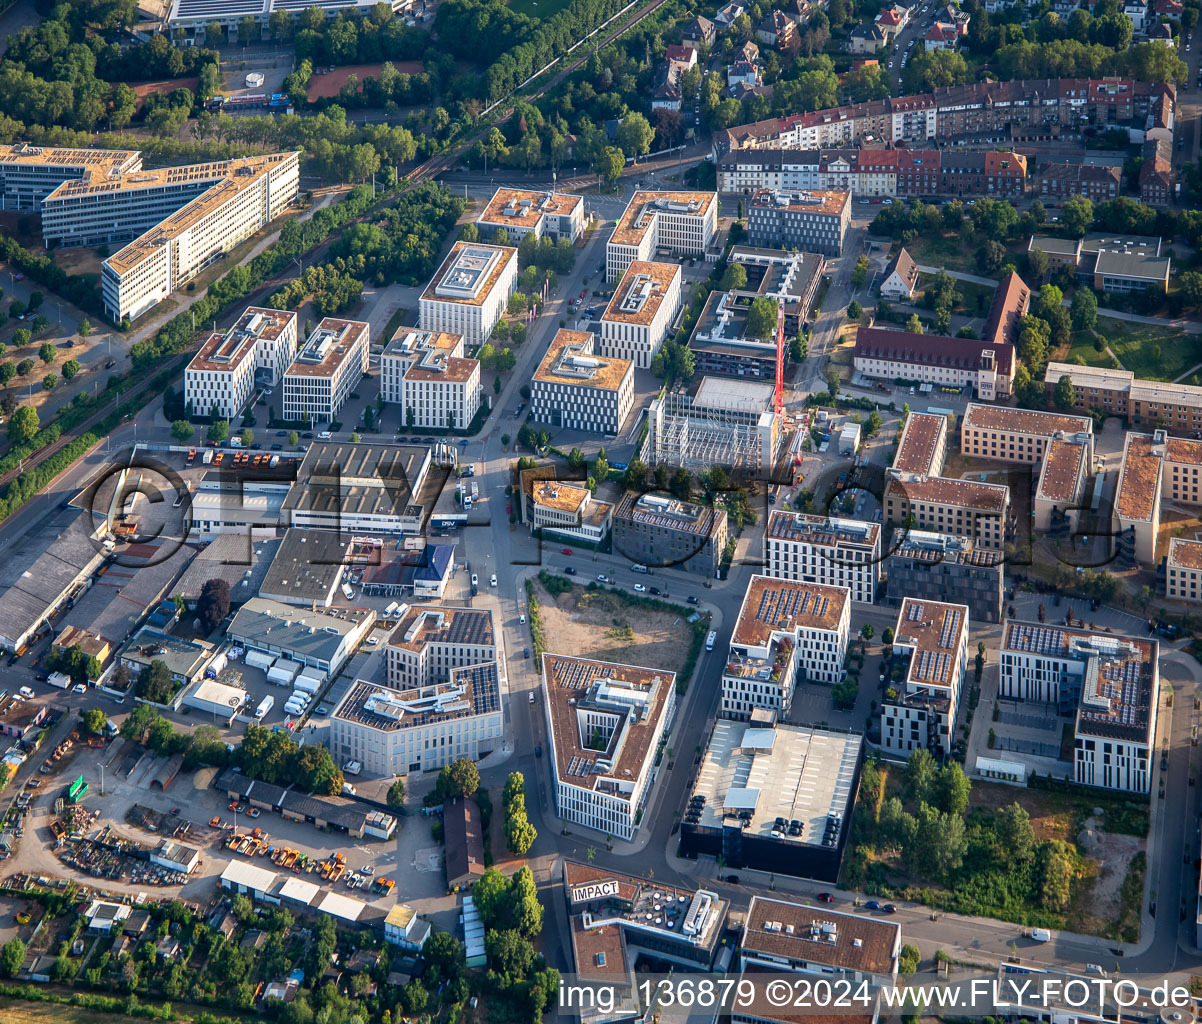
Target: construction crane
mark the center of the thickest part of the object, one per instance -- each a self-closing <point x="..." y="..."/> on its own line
<point x="778" y="398"/>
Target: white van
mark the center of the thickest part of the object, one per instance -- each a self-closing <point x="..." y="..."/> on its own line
<point x="235" y="442"/>
<point x="325" y="435"/>
<point x="639" y="568"/>
<point x="1041" y="935"/>
<point x="711" y="640"/>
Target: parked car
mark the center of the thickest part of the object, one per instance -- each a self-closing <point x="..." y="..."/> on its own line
<point x="639" y="588"/>
<point x="570" y="571"/>
<point x="872" y="905"/>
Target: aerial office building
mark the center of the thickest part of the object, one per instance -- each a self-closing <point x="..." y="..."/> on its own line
<point x="222" y="374"/>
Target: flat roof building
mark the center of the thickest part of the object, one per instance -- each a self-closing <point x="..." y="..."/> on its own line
<point x="430" y="641"/>
<point x="1155" y="467"/>
<point x="824" y="549"/>
<point x="322" y="639"/>
<point x="930" y="654"/>
<point x="939" y="567"/>
<point x="604" y="725"/>
<point x="577" y="389"/>
<point x="425" y="373"/>
<point x="661" y="223"/>
<point x="814" y="220"/>
<point x="774" y="797"/>
<point x="639" y="315"/>
<point x="787" y="632"/>
<point x="397" y="732"/>
<point x="716" y="421"/>
<point x="308" y="568"/>
<point x="560" y="509"/>
<point x="1061" y="487"/>
<point x="655" y="530"/>
<point x="1109" y="685"/>
<point x="221" y="376"/>
<point x="1183" y="570"/>
<point x="520" y="212"/>
<point x="326" y="370"/>
<point x="1019" y="435"/>
<point x="197" y="14"/>
<point x="469" y="291"/>
<point x="1150" y="404"/>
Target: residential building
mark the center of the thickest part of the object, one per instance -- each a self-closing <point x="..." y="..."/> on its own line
<point x="699" y="32"/>
<point x="1137" y="11"/>
<point x="612" y="920"/>
<point x="1019" y="435"/>
<point x="742" y="73"/>
<point x="431" y="642"/>
<point x="576" y="389"/>
<point x="866" y="38"/>
<point x="650" y="529"/>
<point x="774" y="797"/>
<point x="642" y="310"/>
<point x="901" y="278"/>
<point x="1155" y="467"/>
<point x="181" y="218"/>
<point x="197" y="15"/>
<point x="922" y="447"/>
<point x="520" y="212"/>
<point x="604" y="725"/>
<point x="1097" y="184"/>
<point x="661" y="223"/>
<point x="91" y="645"/>
<point x="559" y="509"/>
<point x="728" y="13"/>
<point x="366" y="489"/>
<point x="1159" y="405"/>
<point x="940" y="567"/>
<point x="815" y="221"/>
<point x="720" y="343"/>
<point x="786" y="632"/>
<point x="776" y="30"/>
<point x="783" y="936"/>
<point x="396" y="732"/>
<point x="323" y="639"/>
<point x="819" y="549"/>
<point x="1107" y="683"/>
<point x="666" y="92"/>
<point x="326" y="370"/>
<point x="930" y="644"/>
<point x="402" y="927"/>
<point x="1060" y="492"/>
<point x="1183" y="570"/>
<point x="405" y="349"/>
<point x="470" y="291"/>
<point x="940" y="36"/>
<point x="221" y="376"/>
<point x="992" y="173"/>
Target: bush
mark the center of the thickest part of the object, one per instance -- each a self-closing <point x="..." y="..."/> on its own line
<point x="909" y="959"/>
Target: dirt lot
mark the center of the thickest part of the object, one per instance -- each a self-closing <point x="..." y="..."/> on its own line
<point x="151" y="88"/>
<point x="326" y="85"/>
<point x="19" y="1012"/>
<point x="598" y="624"/>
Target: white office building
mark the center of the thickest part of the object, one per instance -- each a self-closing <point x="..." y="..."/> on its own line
<point x="604" y="725"/>
<point x="579" y="390"/>
<point x="327" y="369"/>
<point x="1107" y="682"/>
<point x="520" y="212"/>
<point x="639" y="315"/>
<point x="430" y="641"/>
<point x="786" y="632"/>
<point x="661" y="223"/>
<point x="824" y="549"/>
<point x="470" y="291"/>
<point x="405" y="349"/>
<point x="221" y="375"/>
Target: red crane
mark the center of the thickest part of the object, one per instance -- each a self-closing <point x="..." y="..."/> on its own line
<point x="778" y="398"/>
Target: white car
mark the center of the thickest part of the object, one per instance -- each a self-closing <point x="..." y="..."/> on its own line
<point x="79" y="688"/>
<point x="640" y="588"/>
<point x="522" y="620"/>
<point x="475" y="580"/>
<point x="493" y="580"/>
<point x="372" y="641"/>
<point x="531" y="700"/>
<point x="352" y="768"/>
<point x="25" y="691"/>
<point x="602" y="578"/>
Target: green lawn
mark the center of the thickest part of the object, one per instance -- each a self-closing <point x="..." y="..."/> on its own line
<point x="1152" y="353"/>
<point x="538" y="8"/>
<point x="975" y="297"/>
<point x="944" y="251"/>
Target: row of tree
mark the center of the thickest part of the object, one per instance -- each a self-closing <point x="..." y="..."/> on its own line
<point x="519" y="833"/>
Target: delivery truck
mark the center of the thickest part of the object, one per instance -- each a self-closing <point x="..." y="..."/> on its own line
<point x="265" y="705"/>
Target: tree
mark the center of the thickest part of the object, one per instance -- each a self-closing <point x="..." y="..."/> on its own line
<point x="761" y="318"/>
<point x="919" y="774"/>
<point x="609" y="164"/>
<point x="634" y="135"/>
<point x="509" y="953"/>
<point x="155" y="683"/>
<point x="47" y="352"/>
<point x="990" y="256"/>
<point x="213" y="35"/>
<point x="50" y="381"/>
<point x="854" y="310"/>
<point x="953" y="787"/>
<point x="94" y="719"/>
<point x="396" y="795"/>
<point x="1057" y="868"/>
<point x="1062" y="395"/>
<point x="1076" y="215"/>
<point x="214" y="604"/>
<point x="833" y="383"/>
<point x="681" y="484"/>
<point x="1085" y="309"/>
<point x="23" y="425"/>
<point x="859" y="273"/>
<point x="12" y="957"/>
<point x="293" y="438"/>
<point x="85" y="328"/>
<point x="914" y="325"/>
<point x="798" y="348"/>
<point x="735" y="277"/>
<point x="219" y="430"/>
<point x="1037" y="265"/>
<point x="181" y="430"/>
<point x="1015" y="836"/>
<point x="939" y="844"/>
<point x="247" y="437"/>
<point x="459" y="778"/>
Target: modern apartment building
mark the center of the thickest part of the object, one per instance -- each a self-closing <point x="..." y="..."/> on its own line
<point x="1155" y="467"/>
<point x="560" y="509"/>
<point x="1019" y="435"/>
<point x="922" y="447"/>
<point x="940" y="567"/>
<point x="786" y="633"/>
<point x="183" y="219"/>
<point x="430" y="641"/>
<point x="520" y="212"/>
<point x="823" y="549"/>
<point x="579" y="390"/>
<point x="654" y="530"/>
<point x="720" y="342"/>
<point x="1060" y="491"/>
<point x="221" y="376"/>
<point x="930" y="655"/>
<point x="470" y="291"/>
<point x="661" y="223"/>
<point x="326" y="370"/>
<point x="1183" y="570"/>
<point x="639" y="315"/>
<point x="815" y="221"/>
<point x="604" y="725"/>
<point x="1107" y="683"/>
<point x="405" y="349"/>
<point x="1021" y="108"/>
